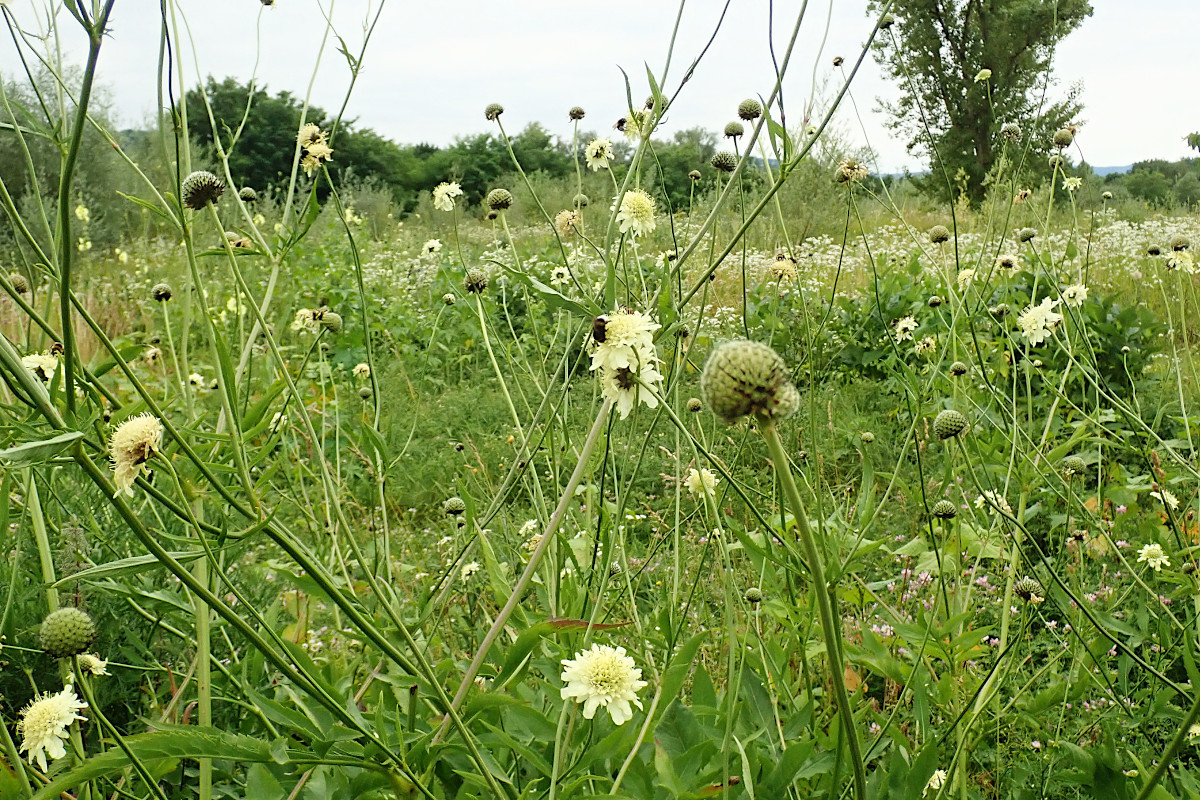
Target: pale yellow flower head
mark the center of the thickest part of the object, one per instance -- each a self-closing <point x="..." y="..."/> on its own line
<point x="44" y="722"/>
<point x="603" y="677"/>
<point x="133" y="443"/>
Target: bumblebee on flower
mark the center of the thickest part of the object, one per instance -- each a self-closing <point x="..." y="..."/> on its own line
<point x="622" y="349"/>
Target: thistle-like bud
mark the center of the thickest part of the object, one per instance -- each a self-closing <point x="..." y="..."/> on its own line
<point x="365" y="392"/>
<point x="887" y="21"/>
<point x="247" y="194"/>
<point x="576" y="113"/>
<point x="475" y="281"/>
<point x="934" y="301"/>
<point x="949" y="423"/>
<point x="958" y="368"/>
<point x="724" y="161"/>
<point x="944" y="509"/>
<point x="694" y="405"/>
<point x="1010" y="131"/>
<point x="454" y="506"/>
<point x="754" y="595"/>
<point x="838" y="61"/>
<point x="866" y="437"/>
<point x="493" y="112"/>
<point x="1180" y="242"/>
<point x="161" y="292"/>
<point x="331" y="321"/>
<point x="67" y="632"/>
<point x="201" y="188"/>
<point x="1063" y="138"/>
<point x="744" y="378"/>
<point x="749" y="109"/>
<point x="694" y="175"/>
<point x="733" y="130"/>
<point x="1072" y="465"/>
<point x="939" y="234"/>
<point x="499" y="199"/>
<point x="581" y="200"/>
<point x="1026" y="234"/>
<point x="449" y="299"/>
<point x="1029" y="590"/>
<point x="20" y="283"/>
<point x="1153" y="250"/>
<point x="1056" y="162"/>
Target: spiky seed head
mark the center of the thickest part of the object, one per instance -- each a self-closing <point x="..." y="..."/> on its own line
<point x="934" y="301"/>
<point x="577" y="113"/>
<point x="1153" y="250"/>
<point x="499" y="199"/>
<point x="949" y="423"/>
<point x="475" y="281"/>
<point x="67" y="632"/>
<point x="1010" y="131"/>
<point x="615" y="569"/>
<point x="247" y="194"/>
<point x="493" y="112"/>
<point x="749" y="109"/>
<point x="939" y="234"/>
<point x="958" y="368"/>
<point x="1072" y="465"/>
<point x="887" y="21"/>
<point x="201" y="188"/>
<point x="944" y="509"/>
<point x="694" y="405"/>
<point x="694" y="175"/>
<point x="754" y="595"/>
<point x="744" y="378"/>
<point x="734" y="129"/>
<point x="448" y="298"/>
<point x="866" y="437"/>
<point x="331" y="321"/>
<point x="454" y="506"/>
<point x="581" y="200"/>
<point x="161" y="292"/>
<point x="1106" y="196"/>
<point x="1180" y="242"/>
<point x="724" y="161"/>
<point x="364" y="392"/>
<point x="1026" y="234"/>
<point x="1063" y="138"/>
<point x="1056" y="162"/>
<point x="1029" y="590"/>
<point x="20" y="283"/>
<point x="492" y="214"/>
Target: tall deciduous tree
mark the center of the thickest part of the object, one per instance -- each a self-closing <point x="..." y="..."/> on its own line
<point x="966" y="67"/>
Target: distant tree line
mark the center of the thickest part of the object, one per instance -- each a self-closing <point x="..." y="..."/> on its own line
<point x="1161" y="183"/>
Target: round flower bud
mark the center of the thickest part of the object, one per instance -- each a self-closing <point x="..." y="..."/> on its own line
<point x="20" y="283"/>
<point x="491" y="215"/>
<point x="887" y="21"/>
<point x="576" y="113"/>
<point x="67" y="632"/>
<point x="1180" y="242"/>
<point x="493" y="112"/>
<point x="499" y="199"/>
<point x="1063" y="138"/>
<point x="724" y="161"/>
<point x="748" y="378"/>
<point x="754" y="595"/>
<point x="1153" y="250"/>
<point x="944" y="509"/>
<point x="866" y="437"/>
<point x="749" y="109"/>
<point x="247" y="194"/>
<point x="694" y="175"/>
<point x="365" y="392"/>
<point x="1010" y="131"/>
<point x="838" y="61"/>
<point x="331" y="321"/>
<point x="201" y="188"/>
<point x="454" y="506"/>
<point x="448" y="298"/>
<point x="615" y="569"/>
<point x="1106" y="195"/>
<point x="475" y="281"/>
<point x="958" y="368"/>
<point x="161" y="292"/>
<point x="1029" y="590"/>
<point x="939" y="234"/>
<point x="734" y="129"/>
<point x="1056" y="162"/>
<point x="694" y="405"/>
<point x="1026" y="234"/>
<point x="1072" y="465"/>
<point x="949" y="423"/>
<point x="934" y="301"/>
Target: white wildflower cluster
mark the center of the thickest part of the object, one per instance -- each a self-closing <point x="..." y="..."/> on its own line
<point x="1038" y="322"/>
<point x="701" y="482"/>
<point x="995" y="501"/>
<point x="623" y="352"/>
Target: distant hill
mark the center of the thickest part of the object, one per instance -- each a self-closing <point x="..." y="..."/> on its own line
<point x="1102" y="171"/>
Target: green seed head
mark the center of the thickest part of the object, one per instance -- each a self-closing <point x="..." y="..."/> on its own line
<point x="734" y="129"/>
<point x="1026" y="234"/>
<point x="945" y="509"/>
<point x="694" y="175"/>
<point x="499" y="199"/>
<point x="754" y="595"/>
<point x="247" y="194"/>
<point x="939" y="234"/>
<point x="1010" y="131"/>
<point x="475" y="281"/>
<point x="201" y="188"/>
<point x="1029" y="590"/>
<point x="67" y="632"/>
<point x="19" y="282"/>
<point x="331" y="321"/>
<point x="581" y="200"/>
<point x="866" y="437"/>
<point x="1063" y="138"/>
<point x="576" y="113"/>
<point x="744" y="378"/>
<point x="493" y="112"/>
<point x="454" y="506"/>
<point x="694" y="405"/>
<point x="749" y="109"/>
<point x="724" y="161"/>
<point x="1072" y="466"/>
<point x="161" y="292"/>
<point x="958" y="368"/>
<point x="949" y="423"/>
<point x="1180" y="242"/>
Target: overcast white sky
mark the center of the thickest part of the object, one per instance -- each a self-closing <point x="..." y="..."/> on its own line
<point x="431" y="67"/>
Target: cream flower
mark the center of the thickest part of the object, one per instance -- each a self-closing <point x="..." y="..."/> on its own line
<point x="936" y="781"/>
<point x="309" y="134"/>
<point x="1075" y="295"/>
<point x="560" y="275"/>
<point x="133" y="443"/>
<point x="469" y="569"/>
<point x="965" y="277"/>
<point x="904" y="328"/>
<point x="701" y="482"/>
<point x="983" y="75"/>
<point x="567" y="222"/>
<point x="783" y="269"/>
<point x="42" y="365"/>
<point x="627" y="337"/>
<point x="82" y="214"/>
<point x="44" y="722"/>
<point x="362" y="371"/>
<point x="314" y="154"/>
<point x="1154" y="557"/>
<point x="598" y="154"/>
<point x="93" y="665"/>
<point x="444" y="194"/>
<point x="1038" y="322"/>
<point x="993" y="500"/>
<point x="622" y="386"/>
<point x="307" y="319"/>
<point x="603" y="677"/>
<point x="1166" y="497"/>
<point x="637" y="212"/>
<point x="432" y="247"/>
<point x="1073" y="183"/>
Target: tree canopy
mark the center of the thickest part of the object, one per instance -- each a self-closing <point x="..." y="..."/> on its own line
<point x="966" y="67"/>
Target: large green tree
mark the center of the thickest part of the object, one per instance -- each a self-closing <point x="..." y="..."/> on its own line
<point x="948" y="111"/>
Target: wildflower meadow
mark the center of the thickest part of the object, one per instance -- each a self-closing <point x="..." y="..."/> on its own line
<point x="686" y="468"/>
